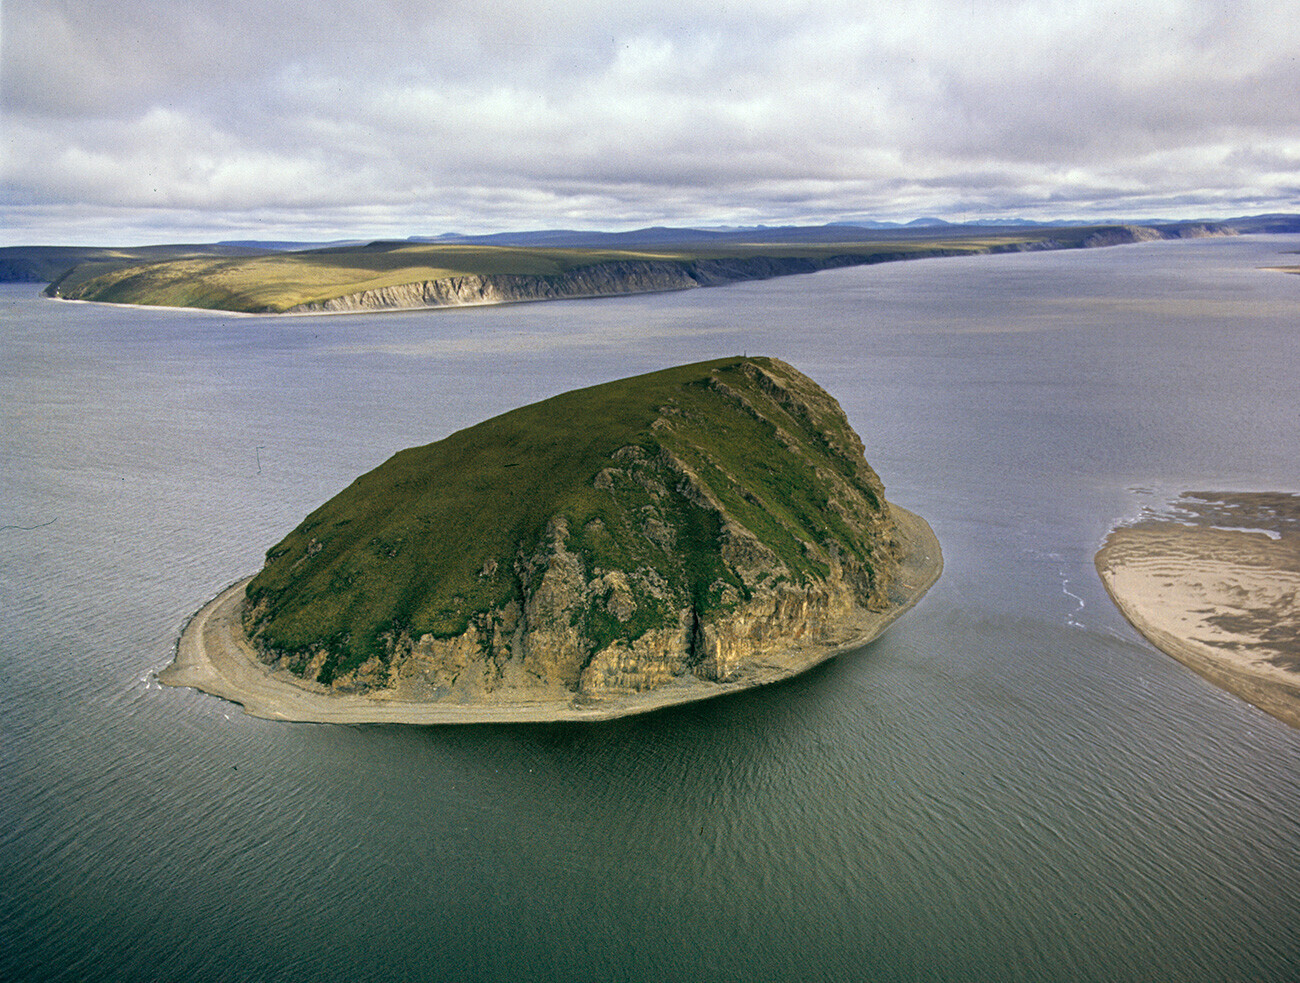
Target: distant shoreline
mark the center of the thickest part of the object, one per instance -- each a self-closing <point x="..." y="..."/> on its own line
<point x="1220" y="601"/>
<point x="424" y="276"/>
<point x="212" y="655"/>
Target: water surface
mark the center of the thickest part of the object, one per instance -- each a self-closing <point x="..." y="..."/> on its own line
<point x="1009" y="785"/>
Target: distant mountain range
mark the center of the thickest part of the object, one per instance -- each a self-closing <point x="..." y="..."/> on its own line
<point x="854" y="231"/>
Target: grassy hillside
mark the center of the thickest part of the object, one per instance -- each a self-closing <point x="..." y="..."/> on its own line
<point x="44" y="264"/>
<point x="277" y="282"/>
<point x="644" y="473"/>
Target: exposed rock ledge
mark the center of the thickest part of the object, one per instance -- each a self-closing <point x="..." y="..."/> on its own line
<point x="604" y="279"/>
<point x="214" y="655"/>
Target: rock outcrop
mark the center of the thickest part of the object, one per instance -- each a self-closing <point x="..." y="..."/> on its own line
<point x="714" y="517"/>
<point x="597" y="280"/>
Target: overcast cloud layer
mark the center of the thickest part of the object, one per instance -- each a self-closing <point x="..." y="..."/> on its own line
<point x="131" y="121"/>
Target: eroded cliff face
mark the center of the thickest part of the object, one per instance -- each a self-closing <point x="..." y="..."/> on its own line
<point x="598" y="280"/>
<point x="546" y="644"/>
<point x="1122" y="235"/>
<point x="722" y="574"/>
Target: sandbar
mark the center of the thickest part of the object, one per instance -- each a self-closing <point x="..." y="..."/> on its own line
<point x="1224" y="600"/>
<point x="212" y="655"/>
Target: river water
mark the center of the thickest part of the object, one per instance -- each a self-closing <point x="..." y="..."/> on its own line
<point x="1009" y="785"/>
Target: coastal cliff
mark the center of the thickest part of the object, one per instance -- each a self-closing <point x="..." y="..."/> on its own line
<point x="597" y="280"/>
<point x="1123" y="235"/>
<point x="606" y="279"/>
<point x="634" y="276"/>
<point x="386" y="275"/>
<point x="661" y="538"/>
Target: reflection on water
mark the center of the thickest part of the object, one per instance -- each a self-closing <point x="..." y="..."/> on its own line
<point x="1009" y="785"/>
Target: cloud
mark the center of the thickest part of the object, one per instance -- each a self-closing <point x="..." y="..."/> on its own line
<point x="428" y="116"/>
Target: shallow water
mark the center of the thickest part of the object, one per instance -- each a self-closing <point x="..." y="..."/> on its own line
<point x="1010" y="785"/>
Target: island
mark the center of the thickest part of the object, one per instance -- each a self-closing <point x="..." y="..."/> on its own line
<point x="1216" y="584"/>
<point x="470" y="271"/>
<point x="650" y="541"/>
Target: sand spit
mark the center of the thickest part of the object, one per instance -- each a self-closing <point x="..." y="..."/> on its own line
<point x="213" y="656"/>
<point x="1223" y="601"/>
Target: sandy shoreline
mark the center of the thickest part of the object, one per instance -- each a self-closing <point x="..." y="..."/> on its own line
<point x="1221" y="601"/>
<point x="213" y="656"/>
<point x="152" y="307"/>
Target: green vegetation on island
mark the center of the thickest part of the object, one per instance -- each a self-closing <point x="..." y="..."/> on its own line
<point x="282" y="281"/>
<point x="46" y="264"/>
<point x="607" y="539"/>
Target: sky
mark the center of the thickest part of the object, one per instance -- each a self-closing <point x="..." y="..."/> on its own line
<point x="133" y="121"/>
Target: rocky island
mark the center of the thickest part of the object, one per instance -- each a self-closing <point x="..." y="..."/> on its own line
<point x="1216" y="584"/>
<point x="655" y="540"/>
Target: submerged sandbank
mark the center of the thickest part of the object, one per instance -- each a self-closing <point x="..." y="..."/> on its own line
<point x="213" y="655"/>
<point x="1224" y="601"/>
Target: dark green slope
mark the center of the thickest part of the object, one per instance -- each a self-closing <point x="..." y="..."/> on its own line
<point x="642" y="474"/>
<point x="46" y="264"/>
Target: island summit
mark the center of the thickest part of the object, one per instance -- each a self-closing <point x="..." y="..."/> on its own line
<point x="656" y="540"/>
